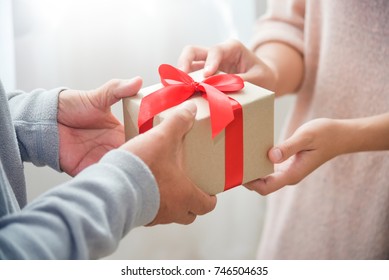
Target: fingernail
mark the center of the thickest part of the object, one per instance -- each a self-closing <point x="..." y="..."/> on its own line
<point x="190" y="106"/>
<point x="207" y="69"/>
<point x="129" y="82"/>
<point x="276" y="154"/>
<point x="181" y="67"/>
<point x="135" y="79"/>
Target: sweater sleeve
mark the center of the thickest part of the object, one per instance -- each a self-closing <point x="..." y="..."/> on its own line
<point x="283" y="22"/>
<point x="34" y="116"/>
<point x="86" y="217"/>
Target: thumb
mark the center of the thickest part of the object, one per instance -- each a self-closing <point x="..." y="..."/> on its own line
<point x="116" y="89"/>
<point x="296" y="143"/>
<point x="181" y="120"/>
<point x="212" y="62"/>
<point x="128" y="88"/>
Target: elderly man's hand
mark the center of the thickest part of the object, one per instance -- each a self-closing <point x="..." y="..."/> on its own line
<point x="87" y="127"/>
<point x="161" y="148"/>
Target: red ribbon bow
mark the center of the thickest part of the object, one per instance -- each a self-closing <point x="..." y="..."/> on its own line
<point x="225" y="112"/>
<point x="179" y="86"/>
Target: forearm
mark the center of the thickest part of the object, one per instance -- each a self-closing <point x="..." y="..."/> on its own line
<point x="286" y="63"/>
<point x="86" y="217"/>
<point x="365" y="134"/>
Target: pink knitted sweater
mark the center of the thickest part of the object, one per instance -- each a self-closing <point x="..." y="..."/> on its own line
<point x="341" y="210"/>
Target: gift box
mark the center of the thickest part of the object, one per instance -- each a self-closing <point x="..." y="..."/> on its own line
<point x="219" y="154"/>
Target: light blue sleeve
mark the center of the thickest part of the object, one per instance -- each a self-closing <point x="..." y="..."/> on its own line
<point x="34" y="116"/>
<point x="86" y="217"/>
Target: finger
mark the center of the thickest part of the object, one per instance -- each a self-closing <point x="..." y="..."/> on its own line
<point x="201" y="202"/>
<point x="268" y="184"/>
<point x="296" y="143"/>
<point x="224" y="57"/>
<point x="214" y="58"/>
<point x="289" y="172"/>
<point x="114" y="90"/>
<point x="198" y="65"/>
<point x="260" y="75"/>
<point x="189" y="56"/>
<point x="187" y="219"/>
<point x="180" y="121"/>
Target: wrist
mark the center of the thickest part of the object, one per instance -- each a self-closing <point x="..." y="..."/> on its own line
<point x="367" y="134"/>
<point x="62" y="100"/>
<point x="286" y="63"/>
<point x="346" y="136"/>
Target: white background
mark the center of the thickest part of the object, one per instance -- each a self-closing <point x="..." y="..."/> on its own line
<point x="84" y="43"/>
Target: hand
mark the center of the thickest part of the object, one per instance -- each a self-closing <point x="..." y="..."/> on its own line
<point x="230" y="57"/>
<point x="87" y="128"/>
<point x="161" y="149"/>
<point x="310" y="146"/>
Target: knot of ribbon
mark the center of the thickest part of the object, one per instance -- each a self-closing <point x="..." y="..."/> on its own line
<point x="179" y="86"/>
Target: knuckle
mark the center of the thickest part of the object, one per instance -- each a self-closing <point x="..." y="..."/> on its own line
<point x="294" y="179"/>
<point x="233" y="42"/>
<point x="262" y="191"/>
<point x="189" y="220"/>
<point x="108" y="88"/>
<point x="217" y="49"/>
<point x="189" y="50"/>
<point x="184" y="116"/>
<point x="160" y="136"/>
<point x="113" y="83"/>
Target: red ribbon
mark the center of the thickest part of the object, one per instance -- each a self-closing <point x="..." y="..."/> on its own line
<point x="225" y="112"/>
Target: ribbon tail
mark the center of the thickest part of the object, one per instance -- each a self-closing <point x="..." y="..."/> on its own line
<point x="220" y="108"/>
<point x="234" y="149"/>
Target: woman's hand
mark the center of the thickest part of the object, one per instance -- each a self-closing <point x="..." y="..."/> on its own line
<point x="310" y="146"/>
<point x="230" y="57"/>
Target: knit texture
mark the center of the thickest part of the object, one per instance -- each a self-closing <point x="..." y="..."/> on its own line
<point x="83" y="218"/>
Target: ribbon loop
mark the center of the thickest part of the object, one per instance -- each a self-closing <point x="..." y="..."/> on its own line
<point x="179" y="86"/>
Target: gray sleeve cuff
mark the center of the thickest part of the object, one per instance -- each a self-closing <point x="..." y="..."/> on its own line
<point x="142" y="181"/>
<point x="35" y="118"/>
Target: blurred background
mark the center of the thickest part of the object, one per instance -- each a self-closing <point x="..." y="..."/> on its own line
<point x="81" y="44"/>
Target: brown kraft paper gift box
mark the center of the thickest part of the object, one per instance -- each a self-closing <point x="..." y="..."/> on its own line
<point x="204" y="157"/>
